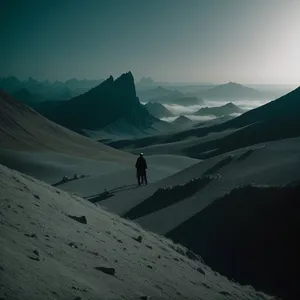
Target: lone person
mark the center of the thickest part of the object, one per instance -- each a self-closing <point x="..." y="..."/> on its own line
<point x="141" y="166"/>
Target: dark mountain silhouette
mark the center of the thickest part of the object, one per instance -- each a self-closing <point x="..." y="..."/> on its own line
<point x="158" y="110"/>
<point x="250" y="235"/>
<point x="108" y="102"/>
<point x="11" y="84"/>
<point x="232" y="91"/>
<point x="219" y="111"/>
<point x="278" y="119"/>
<point x="167" y="96"/>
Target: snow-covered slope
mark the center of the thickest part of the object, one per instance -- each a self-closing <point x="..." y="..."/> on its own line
<point x="58" y="246"/>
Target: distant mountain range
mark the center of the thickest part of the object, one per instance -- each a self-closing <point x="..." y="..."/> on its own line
<point x="219" y="111"/>
<point x="158" y="110"/>
<point x="166" y="96"/>
<point x="278" y="119"/>
<point x="46" y="90"/>
<point x="232" y="91"/>
<point x="110" y="101"/>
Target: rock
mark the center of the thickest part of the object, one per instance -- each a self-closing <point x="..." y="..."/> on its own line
<point x="73" y="245"/>
<point x="76" y="176"/>
<point x="145" y="297"/>
<point x="190" y="254"/>
<point x="81" y="219"/>
<point x="21" y="206"/>
<point x="33" y="235"/>
<point x="109" y="271"/>
<point x="205" y="285"/>
<point x="180" y="251"/>
<point x="78" y="298"/>
<point x="148" y="246"/>
<point x="65" y="179"/>
<point x="200" y="271"/>
<point x="34" y="258"/>
<point x="138" y="239"/>
<point x="150" y="267"/>
<point x="225" y="293"/>
<point x="36" y="196"/>
<point x="36" y="252"/>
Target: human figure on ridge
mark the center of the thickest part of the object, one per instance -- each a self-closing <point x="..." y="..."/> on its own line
<point x="141" y="166"/>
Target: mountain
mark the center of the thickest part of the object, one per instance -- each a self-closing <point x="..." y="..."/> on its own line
<point x="232" y="91"/>
<point x="107" y="103"/>
<point x="167" y="96"/>
<point x="158" y="110"/>
<point x="21" y="128"/>
<point x="182" y="120"/>
<point x="219" y="111"/>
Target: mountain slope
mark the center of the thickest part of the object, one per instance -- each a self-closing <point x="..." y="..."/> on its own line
<point x="158" y="110"/>
<point x="219" y="111"/>
<point x="255" y="230"/>
<point x="21" y="128"/>
<point x="54" y="245"/>
<point x="108" y="102"/>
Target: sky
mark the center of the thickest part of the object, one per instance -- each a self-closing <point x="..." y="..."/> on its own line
<point x="196" y="41"/>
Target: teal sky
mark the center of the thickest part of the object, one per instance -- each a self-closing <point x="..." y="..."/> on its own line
<point x="246" y="41"/>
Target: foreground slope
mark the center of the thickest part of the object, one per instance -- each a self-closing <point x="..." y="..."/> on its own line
<point x="252" y="235"/>
<point x="48" y="251"/>
<point x="21" y="128"/>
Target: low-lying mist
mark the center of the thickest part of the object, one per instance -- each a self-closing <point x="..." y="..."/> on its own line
<point x="190" y="111"/>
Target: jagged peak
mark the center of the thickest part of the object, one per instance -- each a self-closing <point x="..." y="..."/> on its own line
<point x="127" y="76"/>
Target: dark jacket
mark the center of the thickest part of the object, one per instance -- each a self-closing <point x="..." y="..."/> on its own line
<point x="141" y="164"/>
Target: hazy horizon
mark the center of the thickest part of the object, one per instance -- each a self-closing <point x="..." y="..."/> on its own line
<point x="195" y="41"/>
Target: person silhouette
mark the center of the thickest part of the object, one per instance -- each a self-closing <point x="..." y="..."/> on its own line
<point x="141" y="167"/>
